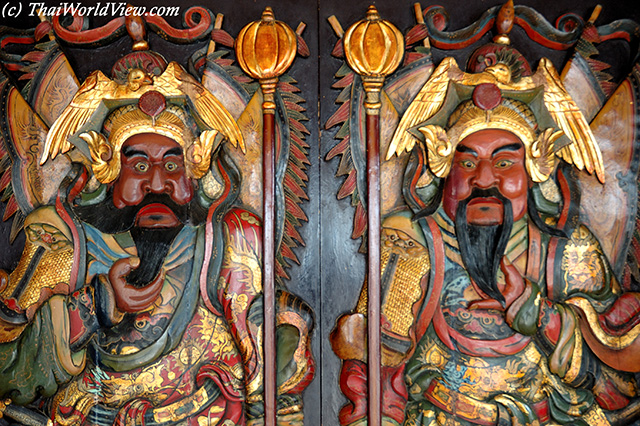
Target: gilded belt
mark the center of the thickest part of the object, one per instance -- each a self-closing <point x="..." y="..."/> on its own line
<point x="471" y="409"/>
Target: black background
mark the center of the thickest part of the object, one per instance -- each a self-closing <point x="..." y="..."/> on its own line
<point x="331" y="270"/>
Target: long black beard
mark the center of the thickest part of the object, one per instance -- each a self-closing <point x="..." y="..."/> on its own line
<point x="152" y="244"/>
<point x="482" y="247"/>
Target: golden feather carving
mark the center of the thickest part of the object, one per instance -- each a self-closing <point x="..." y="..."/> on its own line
<point x="173" y="82"/>
<point x="214" y="114"/>
<point x="541" y="159"/>
<point x="584" y="152"/>
<point x="440" y="149"/>
<point x="94" y="89"/>
<point x="426" y="103"/>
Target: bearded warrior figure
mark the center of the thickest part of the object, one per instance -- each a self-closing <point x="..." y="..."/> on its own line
<point x="498" y="305"/>
<point x="138" y="298"/>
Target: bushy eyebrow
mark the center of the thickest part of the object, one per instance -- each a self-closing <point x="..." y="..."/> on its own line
<point x="510" y="147"/>
<point x="465" y="149"/>
<point x="172" y="151"/>
<point x="127" y="151"/>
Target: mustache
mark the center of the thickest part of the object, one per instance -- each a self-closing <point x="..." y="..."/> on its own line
<point x="485" y="193"/>
<point x="482" y="247"/>
<point x="107" y="218"/>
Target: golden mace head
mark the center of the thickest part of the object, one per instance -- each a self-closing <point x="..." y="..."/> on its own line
<point x="373" y="48"/>
<point x="265" y="49"/>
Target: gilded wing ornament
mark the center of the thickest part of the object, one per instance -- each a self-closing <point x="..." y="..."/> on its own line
<point x="584" y="152"/>
<point x="173" y="82"/>
<point x="425" y="105"/>
<point x="210" y="108"/>
<point x="96" y="88"/>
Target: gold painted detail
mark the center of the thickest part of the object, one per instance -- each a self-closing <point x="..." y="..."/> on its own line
<point x="176" y="412"/>
<point x="404" y="289"/>
<point x="53" y="268"/>
<point x="206" y="341"/>
<point x="174" y="82"/>
<point x="238" y="304"/>
<point x="595" y="416"/>
<point x="582" y="263"/>
<point x="576" y="356"/>
<point x="373" y="48"/>
<point x="541" y="145"/>
<point x="462" y="405"/>
<point x="240" y="257"/>
<point x="482" y="378"/>
<point x="615" y="342"/>
<point x="47" y="236"/>
<point x="410" y="264"/>
<point x="72" y="396"/>
<point x="265" y="50"/>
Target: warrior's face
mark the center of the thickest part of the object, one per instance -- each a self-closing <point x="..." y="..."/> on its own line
<point x="485" y="192"/>
<point x="486" y="160"/>
<point x="152" y="164"/>
<point x="152" y="199"/>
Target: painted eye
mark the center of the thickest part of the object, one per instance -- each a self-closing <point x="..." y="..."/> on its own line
<point x="171" y="166"/>
<point x="141" y="167"/>
<point x="468" y="164"/>
<point x="503" y="164"/>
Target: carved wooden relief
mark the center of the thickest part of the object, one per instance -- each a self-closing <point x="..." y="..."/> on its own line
<point x="160" y="209"/>
<point x="414" y="215"/>
<point x="505" y="286"/>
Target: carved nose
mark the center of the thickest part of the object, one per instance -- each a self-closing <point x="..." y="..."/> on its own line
<point x="157" y="183"/>
<point x="484" y="178"/>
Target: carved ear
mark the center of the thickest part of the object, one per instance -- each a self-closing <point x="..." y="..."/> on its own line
<point x="105" y="165"/>
<point x="440" y="150"/>
<point x="199" y="154"/>
<point x="541" y="160"/>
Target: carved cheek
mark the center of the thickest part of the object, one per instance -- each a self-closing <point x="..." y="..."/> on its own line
<point x="457" y="187"/>
<point x="514" y="186"/>
<point x="513" y="183"/>
<point x="182" y="189"/>
<point x="127" y="190"/>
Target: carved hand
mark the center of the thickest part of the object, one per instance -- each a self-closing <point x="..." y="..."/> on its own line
<point x="129" y="298"/>
<point x="515" y="286"/>
<point x="522" y="301"/>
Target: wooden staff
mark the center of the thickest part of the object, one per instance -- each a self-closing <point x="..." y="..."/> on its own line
<point x="373" y="48"/>
<point x="263" y="55"/>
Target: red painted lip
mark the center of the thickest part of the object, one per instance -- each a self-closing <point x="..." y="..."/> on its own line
<point x="485" y="201"/>
<point x="156" y="216"/>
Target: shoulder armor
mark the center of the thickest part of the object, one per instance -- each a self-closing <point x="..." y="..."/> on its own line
<point x="44" y="267"/>
<point x="401" y="234"/>
<point x="584" y="265"/>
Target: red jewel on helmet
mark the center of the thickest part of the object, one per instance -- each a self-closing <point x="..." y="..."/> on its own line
<point x="152" y="103"/>
<point x="487" y="96"/>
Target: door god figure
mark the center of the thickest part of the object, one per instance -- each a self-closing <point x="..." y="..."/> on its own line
<point x="138" y="298"/>
<point x="499" y="306"/>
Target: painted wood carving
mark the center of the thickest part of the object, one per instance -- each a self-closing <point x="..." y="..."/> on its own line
<point x="139" y="297"/>
<point x="508" y="278"/>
